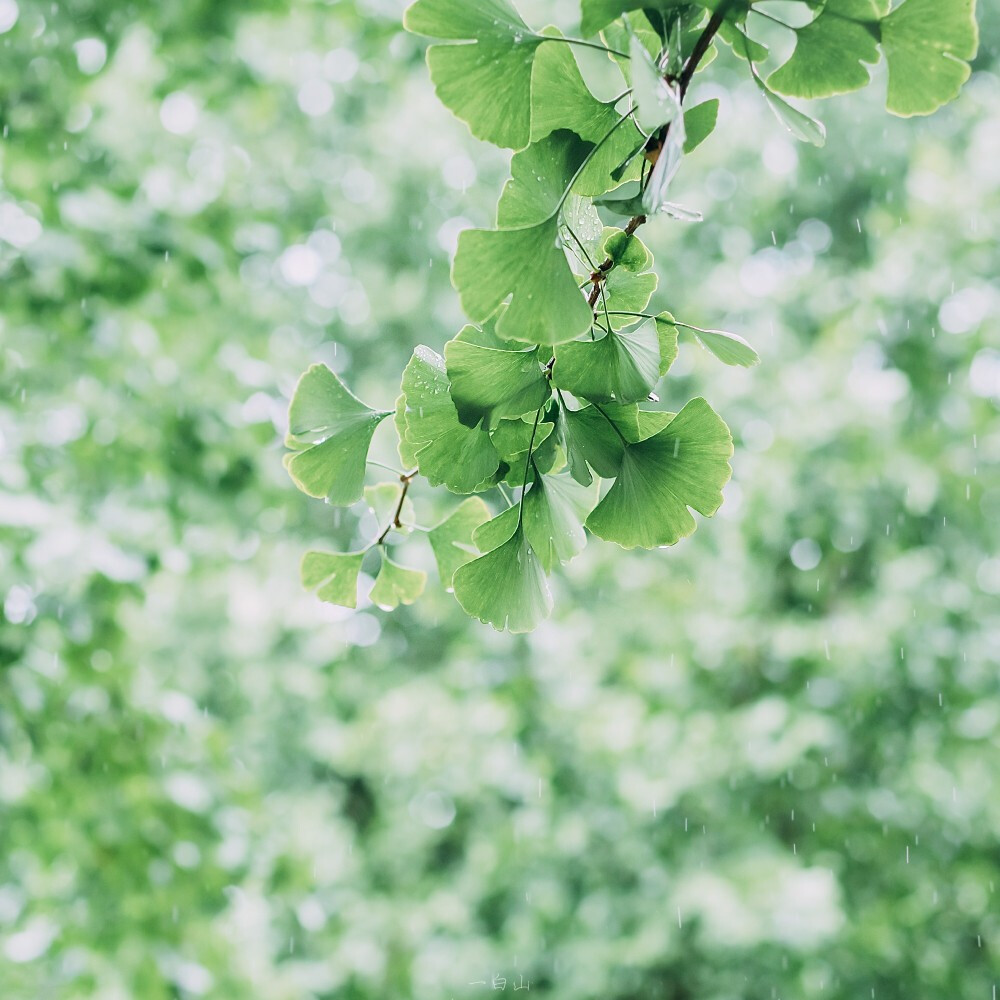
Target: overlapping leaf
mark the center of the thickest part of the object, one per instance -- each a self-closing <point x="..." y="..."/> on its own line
<point x="451" y="540"/>
<point x="446" y="451"/>
<point x="623" y="366"/>
<point x="396" y="585"/>
<point x="555" y="508"/>
<point x="524" y="259"/>
<point x="562" y="100"/>
<point x="506" y="587"/>
<point x="832" y="52"/>
<point x="927" y="45"/>
<point x="683" y="466"/>
<point x="488" y="383"/>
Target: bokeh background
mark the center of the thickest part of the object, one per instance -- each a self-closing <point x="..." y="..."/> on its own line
<point x="763" y="764"/>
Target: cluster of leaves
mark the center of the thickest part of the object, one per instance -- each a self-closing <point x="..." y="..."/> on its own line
<point x="542" y="394"/>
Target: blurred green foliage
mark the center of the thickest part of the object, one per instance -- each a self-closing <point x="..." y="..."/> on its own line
<point x="761" y="765"/>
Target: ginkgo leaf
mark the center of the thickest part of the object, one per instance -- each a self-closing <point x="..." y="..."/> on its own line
<point x="598" y="434"/>
<point x="335" y="574"/>
<point x="483" y="76"/>
<point x="729" y="348"/>
<point x="622" y="366"/>
<point x="626" y="291"/>
<point x="561" y="100"/>
<point x="668" y="162"/>
<point x="927" y="45"/>
<point x="446" y="451"/>
<point x="797" y="122"/>
<point x="539" y="179"/>
<point x="488" y="383"/>
<point x="699" y="123"/>
<point x="396" y="585"/>
<point x="513" y="438"/>
<point x="666" y="333"/>
<point x="526" y="263"/>
<point x="597" y="14"/>
<point x="505" y="588"/>
<point x="451" y="540"/>
<point x="656" y="101"/>
<point x="331" y="430"/>
<point x="383" y="501"/>
<point x="406" y="453"/>
<point x="497" y="530"/>
<point x="629" y="285"/>
<point x="831" y="51"/>
<point x="555" y="508"/>
<point x="626" y="201"/>
<point x="683" y="466"/>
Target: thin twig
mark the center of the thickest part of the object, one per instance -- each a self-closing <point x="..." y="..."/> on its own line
<point x="396" y="520"/>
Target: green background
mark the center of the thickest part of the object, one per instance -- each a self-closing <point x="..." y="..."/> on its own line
<point x="763" y="764"/>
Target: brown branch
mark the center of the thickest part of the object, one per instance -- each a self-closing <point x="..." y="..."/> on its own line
<point x="396" y="520"/>
<point x="687" y="74"/>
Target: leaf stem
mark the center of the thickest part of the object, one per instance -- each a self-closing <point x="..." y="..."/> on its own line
<point x="388" y="468"/>
<point x="395" y="521"/>
<point x="527" y="463"/>
<point x="597" y="407"/>
<point x="582" y="42"/>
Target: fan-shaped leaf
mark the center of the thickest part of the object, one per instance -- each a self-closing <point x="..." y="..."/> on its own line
<point x="555" y="508"/>
<point x="446" y="451"/>
<point x="485" y="79"/>
<point x="928" y="44"/>
<point x="335" y="574"/>
<point x="505" y="588"/>
<point x="396" y="585"/>
<point x="451" y="540"/>
<point x="684" y="465"/>
<point x="622" y="366"/>
<point x="331" y="430"/>
<point x="488" y="383"/>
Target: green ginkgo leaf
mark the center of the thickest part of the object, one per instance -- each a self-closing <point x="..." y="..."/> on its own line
<point x="505" y="588"/>
<point x="656" y="101"/>
<point x="623" y="366"/>
<point x="560" y="99"/>
<point x="699" y="123"/>
<point x="597" y="14"/>
<point x="406" y="453"/>
<point x="396" y="585"/>
<point x="513" y="438"/>
<point x="683" y="466"/>
<point x="629" y="285"/>
<point x="446" y="451"/>
<point x="832" y="52"/>
<point x="797" y="122"/>
<point x="488" y="383"/>
<point x="331" y="430"/>
<point x="335" y="574"/>
<point x="668" y="162"/>
<point x="598" y="434"/>
<point x="729" y="348"/>
<point x="555" y="508"/>
<point x="928" y="44"/>
<point x="483" y="76"/>
<point x="451" y="540"/>
<point x="526" y="263"/>
<point x="666" y="333"/>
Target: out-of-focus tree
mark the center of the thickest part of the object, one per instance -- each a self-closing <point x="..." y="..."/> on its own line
<point x="762" y="765"/>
